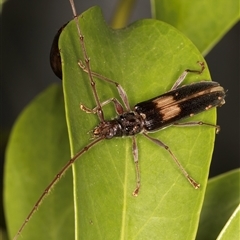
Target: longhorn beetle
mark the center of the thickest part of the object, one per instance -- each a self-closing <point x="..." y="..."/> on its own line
<point x="145" y="117"/>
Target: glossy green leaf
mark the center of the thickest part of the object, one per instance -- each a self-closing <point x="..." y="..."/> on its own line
<point x="231" y="229"/>
<point x="37" y="149"/>
<point x="146" y="58"/>
<point x="204" y="22"/>
<point x="221" y="200"/>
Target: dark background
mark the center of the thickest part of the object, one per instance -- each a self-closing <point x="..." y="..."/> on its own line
<point x="27" y="31"/>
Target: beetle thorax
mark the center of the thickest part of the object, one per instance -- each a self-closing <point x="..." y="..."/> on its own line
<point x="126" y="124"/>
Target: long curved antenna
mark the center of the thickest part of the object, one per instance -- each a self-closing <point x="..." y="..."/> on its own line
<point x="87" y="62"/>
<point x="54" y="181"/>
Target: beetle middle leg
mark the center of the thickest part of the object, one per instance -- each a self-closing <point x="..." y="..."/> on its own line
<point x="185" y="173"/>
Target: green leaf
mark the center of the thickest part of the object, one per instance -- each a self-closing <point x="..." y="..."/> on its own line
<point x="204" y="22"/>
<point x="146" y="58"/>
<point x="221" y="200"/>
<point x="231" y="229"/>
<point x="37" y="149"/>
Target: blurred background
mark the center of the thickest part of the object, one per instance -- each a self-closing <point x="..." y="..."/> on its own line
<point x="27" y="31"/>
